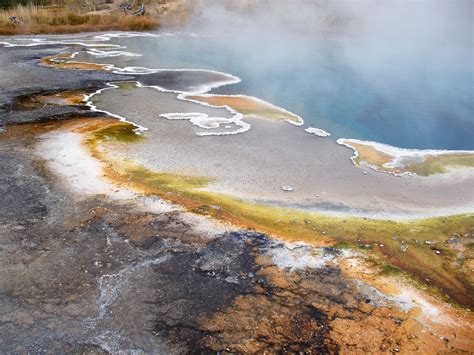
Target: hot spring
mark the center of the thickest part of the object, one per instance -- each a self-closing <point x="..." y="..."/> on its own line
<point x="397" y="93"/>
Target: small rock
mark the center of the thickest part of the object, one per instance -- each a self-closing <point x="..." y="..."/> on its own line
<point x="403" y="246"/>
<point x="287" y="188"/>
<point x="162" y="218"/>
<point x="232" y="280"/>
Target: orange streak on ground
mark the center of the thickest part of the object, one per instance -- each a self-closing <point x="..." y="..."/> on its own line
<point x="77" y="124"/>
<point x="73" y="97"/>
<point x="454" y="324"/>
<point x="370" y="154"/>
<point x="247" y="106"/>
<point x="64" y="98"/>
<point x="82" y="66"/>
<point x="59" y="61"/>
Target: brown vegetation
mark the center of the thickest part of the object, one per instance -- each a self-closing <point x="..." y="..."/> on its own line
<point x="81" y="17"/>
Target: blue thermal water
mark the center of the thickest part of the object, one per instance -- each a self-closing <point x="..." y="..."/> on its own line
<point x="395" y="93"/>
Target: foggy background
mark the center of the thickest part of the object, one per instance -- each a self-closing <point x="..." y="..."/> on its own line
<point x="393" y="71"/>
<point x="428" y="20"/>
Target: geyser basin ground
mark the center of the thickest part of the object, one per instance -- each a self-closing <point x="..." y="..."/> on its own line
<point x="133" y="220"/>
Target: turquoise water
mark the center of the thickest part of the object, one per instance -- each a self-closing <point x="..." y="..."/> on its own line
<point x="406" y="95"/>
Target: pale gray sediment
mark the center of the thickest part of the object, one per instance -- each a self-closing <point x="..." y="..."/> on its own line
<point x="255" y="164"/>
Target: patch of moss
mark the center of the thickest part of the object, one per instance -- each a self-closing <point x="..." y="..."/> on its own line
<point x="440" y="163"/>
<point x="121" y="133"/>
<point x="342" y="245"/>
<point x="126" y="85"/>
<point x="170" y="182"/>
<point x="389" y="269"/>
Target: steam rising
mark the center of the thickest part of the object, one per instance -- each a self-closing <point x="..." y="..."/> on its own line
<point x="428" y="20"/>
<point x="367" y="69"/>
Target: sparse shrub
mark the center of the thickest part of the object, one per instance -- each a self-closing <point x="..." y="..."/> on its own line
<point x="74" y="19"/>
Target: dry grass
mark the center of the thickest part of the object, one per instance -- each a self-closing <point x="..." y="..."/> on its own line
<point x="43" y="20"/>
<point x="80" y="18"/>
